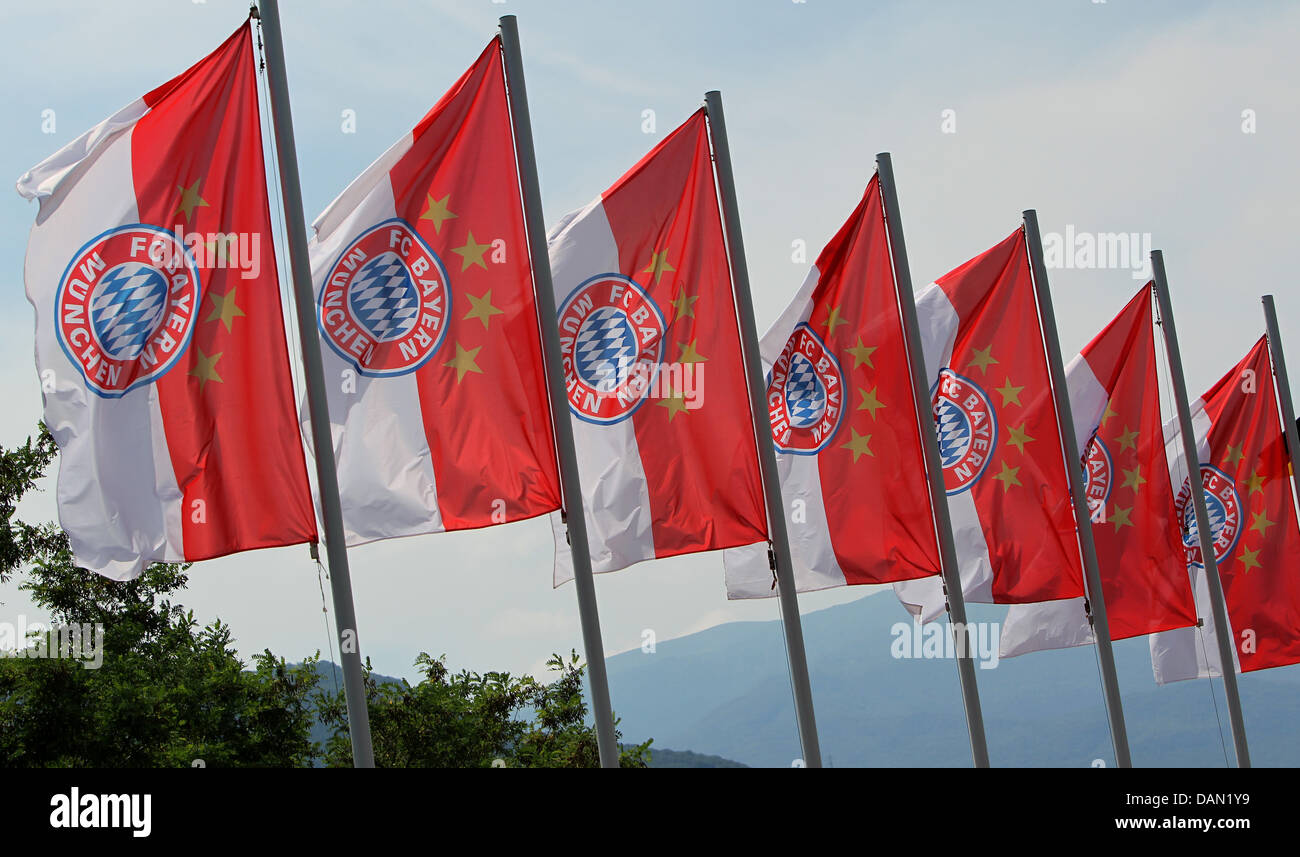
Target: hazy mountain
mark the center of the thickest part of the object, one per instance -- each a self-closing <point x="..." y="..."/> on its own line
<point x="726" y="691"/>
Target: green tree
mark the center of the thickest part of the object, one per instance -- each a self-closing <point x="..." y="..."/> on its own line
<point x="167" y="693"/>
<point x="472" y="720"/>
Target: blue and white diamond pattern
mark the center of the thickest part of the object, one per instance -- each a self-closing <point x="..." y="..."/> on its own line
<point x="1218" y="514"/>
<point x="954" y="432"/>
<point x="127" y="307"/>
<point x="605" y="349"/>
<point x="805" y="395"/>
<point x="384" y="299"/>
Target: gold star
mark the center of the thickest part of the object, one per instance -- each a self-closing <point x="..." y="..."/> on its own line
<point x="675" y="403"/>
<point x="1019" y="437"/>
<point x="482" y="309"/>
<point x="689" y="354"/>
<point x="224" y="309"/>
<point x="1106" y="417"/>
<point x="190" y="199"/>
<point x="1261" y="523"/>
<point x="834" y="320"/>
<point x="1234" y="455"/>
<point x="859" y="445"/>
<point x="205" y="369"/>
<point x="658" y="265"/>
<point x="471" y="254"/>
<point x="1120" y="518"/>
<point x="684" y="305"/>
<point x="1010" y="394"/>
<point x="437" y="211"/>
<point x="1249" y="560"/>
<point x="862" y="354"/>
<point x="1008" y="476"/>
<point x="1127" y="439"/>
<point x="870" y="402"/>
<point x="1133" y="479"/>
<point x="1254" y="483"/>
<point x="464" y="363"/>
<point x="983" y="359"/>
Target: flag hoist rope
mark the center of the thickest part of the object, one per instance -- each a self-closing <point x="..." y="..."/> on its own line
<point x="1223" y="631"/>
<point x="921" y="400"/>
<point x="322" y="441"/>
<point x="1074" y="472"/>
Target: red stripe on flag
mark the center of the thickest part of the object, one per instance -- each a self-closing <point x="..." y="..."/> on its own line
<point x="1139" y="546"/>
<point x="872" y="473"/>
<point x="1022" y="496"/>
<point x="1261" y="542"/>
<point x="701" y="464"/>
<point x="227" y="405"/>
<point x="483" y="395"/>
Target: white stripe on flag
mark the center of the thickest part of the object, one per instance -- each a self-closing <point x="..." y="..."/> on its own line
<point x="1188" y="653"/>
<point x="386" y="479"/>
<point x="938" y="322"/>
<point x="748" y="572"/>
<point x="117" y="493"/>
<point x="619" y="524"/>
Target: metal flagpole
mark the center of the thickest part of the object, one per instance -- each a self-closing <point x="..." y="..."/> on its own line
<point x="1082" y="515"/>
<point x="583" y="580"/>
<point x="317" y="405"/>
<point x="1222" y="630"/>
<point x="763" y="434"/>
<point x="963" y="639"/>
<point x="1283" y="390"/>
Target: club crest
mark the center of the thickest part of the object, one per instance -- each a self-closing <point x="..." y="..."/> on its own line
<point x="1098" y="474"/>
<point x="386" y="300"/>
<point x="126" y="307"/>
<point x="805" y="395"/>
<point x="1224" y="507"/>
<point x="967" y="427"/>
<point x="612" y="342"/>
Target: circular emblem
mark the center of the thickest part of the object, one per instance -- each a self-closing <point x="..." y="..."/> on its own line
<point x="1224" y="507"/>
<point x="385" y="302"/>
<point x="1098" y="470"/>
<point x="967" y="427"/>
<point x="612" y="340"/>
<point x="126" y="307"/>
<point x="804" y="394"/>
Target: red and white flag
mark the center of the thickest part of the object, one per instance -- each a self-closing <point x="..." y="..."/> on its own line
<point x="1246" y="473"/>
<point x="1115" y="398"/>
<point x="425" y="304"/>
<point x="846" y="430"/>
<point x="159" y="336"/>
<point x="999" y="441"/>
<point x="651" y="350"/>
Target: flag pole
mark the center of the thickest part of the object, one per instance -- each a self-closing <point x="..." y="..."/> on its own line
<point x="317" y="405"/>
<point x="583" y="580"/>
<point x="1283" y="390"/>
<point x="798" y="658"/>
<point x="1222" y="630"/>
<point x="1082" y="514"/>
<point x="923" y="404"/>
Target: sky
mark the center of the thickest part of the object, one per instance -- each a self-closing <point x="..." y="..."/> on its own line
<point x="1173" y="119"/>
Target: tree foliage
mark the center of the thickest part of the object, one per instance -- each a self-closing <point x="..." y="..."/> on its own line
<point x="472" y="720"/>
